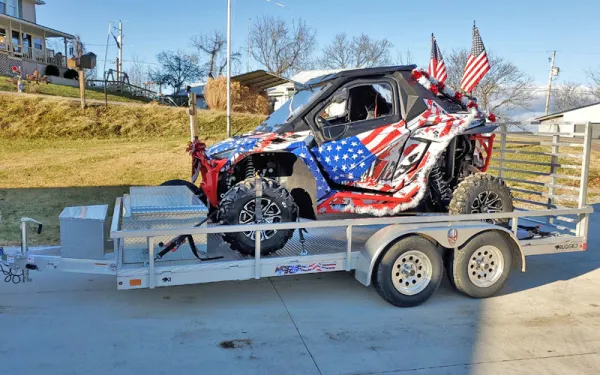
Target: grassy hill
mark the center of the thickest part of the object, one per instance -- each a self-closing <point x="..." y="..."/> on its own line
<point x="43" y="118"/>
<point x="7" y="85"/>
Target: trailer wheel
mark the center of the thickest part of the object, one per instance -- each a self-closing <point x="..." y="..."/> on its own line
<point x="409" y="272"/>
<point x="482" y="266"/>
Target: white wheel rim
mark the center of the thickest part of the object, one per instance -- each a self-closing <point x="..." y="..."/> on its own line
<point x="485" y="266"/>
<point x="412" y="272"/>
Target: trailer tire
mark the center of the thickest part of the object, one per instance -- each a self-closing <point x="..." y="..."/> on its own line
<point x="236" y="201"/>
<point x="409" y="272"/>
<point x="482" y="266"/>
<point x="481" y="193"/>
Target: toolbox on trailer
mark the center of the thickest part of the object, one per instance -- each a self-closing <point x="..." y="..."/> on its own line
<point x="83" y="224"/>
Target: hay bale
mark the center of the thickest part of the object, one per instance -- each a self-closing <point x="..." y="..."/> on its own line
<point x="243" y="99"/>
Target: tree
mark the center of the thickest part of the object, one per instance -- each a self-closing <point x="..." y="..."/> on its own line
<point x="138" y="72"/>
<point x="404" y="58"/>
<point x="282" y="48"/>
<point x="176" y="68"/>
<point x="570" y="95"/>
<point x="504" y="88"/>
<point x="593" y="76"/>
<point x="214" y="45"/>
<point x="356" y="52"/>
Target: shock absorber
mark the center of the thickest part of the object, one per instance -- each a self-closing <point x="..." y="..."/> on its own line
<point x="442" y="192"/>
<point x="249" y="170"/>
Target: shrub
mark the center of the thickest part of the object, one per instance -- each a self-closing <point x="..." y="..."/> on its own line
<point x="243" y="99"/>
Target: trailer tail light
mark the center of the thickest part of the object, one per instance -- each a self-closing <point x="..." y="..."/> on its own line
<point x="584" y="246"/>
<point x="135" y="282"/>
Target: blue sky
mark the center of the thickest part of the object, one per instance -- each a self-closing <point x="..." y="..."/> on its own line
<point x="522" y="31"/>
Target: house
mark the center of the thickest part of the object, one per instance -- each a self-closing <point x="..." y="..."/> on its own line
<point x="571" y="120"/>
<point x="26" y="44"/>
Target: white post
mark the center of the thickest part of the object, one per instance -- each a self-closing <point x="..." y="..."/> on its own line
<point x="228" y="68"/>
<point x="582" y="225"/>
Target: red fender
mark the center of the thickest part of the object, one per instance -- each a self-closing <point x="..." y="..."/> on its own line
<point x="209" y="169"/>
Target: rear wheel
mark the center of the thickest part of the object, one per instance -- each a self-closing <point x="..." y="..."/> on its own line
<point x="409" y="272"/>
<point x="482" y="266"/>
<point x="481" y="193"/>
<point x="238" y="206"/>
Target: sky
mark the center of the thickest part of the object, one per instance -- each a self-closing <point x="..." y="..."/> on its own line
<point x="524" y="32"/>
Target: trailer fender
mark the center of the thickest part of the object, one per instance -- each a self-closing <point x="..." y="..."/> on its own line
<point x="447" y="236"/>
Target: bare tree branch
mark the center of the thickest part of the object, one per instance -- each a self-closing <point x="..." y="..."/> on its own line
<point x="359" y="52"/>
<point x="279" y="47"/>
<point x="138" y="72"/>
<point x="570" y="95"/>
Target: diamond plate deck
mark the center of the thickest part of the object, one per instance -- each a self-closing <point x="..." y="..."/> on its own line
<point x="318" y="241"/>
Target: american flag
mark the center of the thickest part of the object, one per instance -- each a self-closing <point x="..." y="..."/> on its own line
<point x="437" y="67"/>
<point x="477" y="65"/>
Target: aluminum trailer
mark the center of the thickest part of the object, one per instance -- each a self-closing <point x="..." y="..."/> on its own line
<point x="404" y="257"/>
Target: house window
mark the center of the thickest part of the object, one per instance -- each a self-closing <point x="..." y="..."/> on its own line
<point x="2" y="38"/>
<point x="12" y="7"/>
<point x="37" y="43"/>
<point x="16" y="42"/>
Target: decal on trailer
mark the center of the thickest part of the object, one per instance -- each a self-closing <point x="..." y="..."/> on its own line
<point x="295" y="269"/>
<point x="452" y="236"/>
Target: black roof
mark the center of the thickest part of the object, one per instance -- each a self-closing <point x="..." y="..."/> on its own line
<point x="361" y="72"/>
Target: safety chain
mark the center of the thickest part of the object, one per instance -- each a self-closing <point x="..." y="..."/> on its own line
<point x="9" y="276"/>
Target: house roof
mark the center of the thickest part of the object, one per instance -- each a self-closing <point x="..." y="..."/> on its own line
<point x="560" y="114"/>
<point x="34" y="28"/>
<point x="259" y="80"/>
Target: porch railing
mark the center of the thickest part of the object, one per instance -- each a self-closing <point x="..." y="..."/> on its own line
<point x="34" y="54"/>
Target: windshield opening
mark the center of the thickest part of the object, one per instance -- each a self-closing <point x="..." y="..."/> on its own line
<point x="288" y="109"/>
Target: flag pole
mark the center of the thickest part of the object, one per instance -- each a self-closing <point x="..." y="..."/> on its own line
<point x="228" y="68"/>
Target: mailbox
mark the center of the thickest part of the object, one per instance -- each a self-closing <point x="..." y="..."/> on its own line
<point x="87" y="61"/>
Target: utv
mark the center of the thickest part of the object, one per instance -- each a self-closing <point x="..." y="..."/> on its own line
<point x="372" y="141"/>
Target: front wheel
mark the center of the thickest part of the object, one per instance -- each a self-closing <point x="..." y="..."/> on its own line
<point x="409" y="272"/>
<point x="238" y="206"/>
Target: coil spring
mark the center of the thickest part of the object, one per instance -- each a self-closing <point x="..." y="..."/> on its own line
<point x="249" y="172"/>
<point x="439" y="186"/>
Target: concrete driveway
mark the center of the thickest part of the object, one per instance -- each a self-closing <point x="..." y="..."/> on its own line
<point x="546" y="321"/>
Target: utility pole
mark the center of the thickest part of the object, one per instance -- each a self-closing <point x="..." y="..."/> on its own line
<point x="81" y="71"/>
<point x="553" y="72"/>
<point x="120" y="61"/>
<point x="228" y="68"/>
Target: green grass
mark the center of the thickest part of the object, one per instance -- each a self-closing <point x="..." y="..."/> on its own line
<point x="38" y="178"/>
<point x="6" y="84"/>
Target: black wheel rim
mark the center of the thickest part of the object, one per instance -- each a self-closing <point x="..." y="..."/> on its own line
<point x="271" y="213"/>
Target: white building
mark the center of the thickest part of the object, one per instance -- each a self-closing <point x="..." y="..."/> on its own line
<point x="571" y="120"/>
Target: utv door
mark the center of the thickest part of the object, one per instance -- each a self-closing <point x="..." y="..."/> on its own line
<point x="362" y="134"/>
